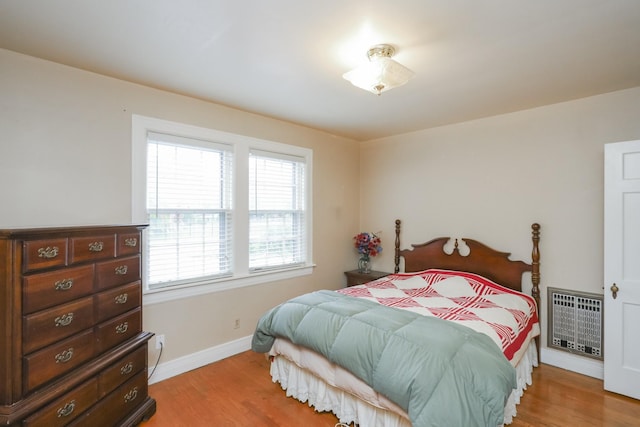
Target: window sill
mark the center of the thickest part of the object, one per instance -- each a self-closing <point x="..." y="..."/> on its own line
<point x="155" y="296"/>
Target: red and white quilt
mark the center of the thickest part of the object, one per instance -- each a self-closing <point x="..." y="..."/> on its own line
<point x="508" y="317"/>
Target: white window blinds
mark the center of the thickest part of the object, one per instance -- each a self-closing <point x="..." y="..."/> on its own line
<point x="189" y="209"/>
<point x="277" y="210"/>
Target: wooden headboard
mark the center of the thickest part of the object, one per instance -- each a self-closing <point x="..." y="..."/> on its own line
<point x="481" y="260"/>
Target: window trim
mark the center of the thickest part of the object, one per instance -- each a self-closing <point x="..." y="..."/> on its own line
<point x="242" y="145"/>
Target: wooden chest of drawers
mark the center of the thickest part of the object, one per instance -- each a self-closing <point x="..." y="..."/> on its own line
<point x="72" y="349"/>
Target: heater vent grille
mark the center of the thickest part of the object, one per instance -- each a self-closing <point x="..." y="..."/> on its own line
<point x="576" y="322"/>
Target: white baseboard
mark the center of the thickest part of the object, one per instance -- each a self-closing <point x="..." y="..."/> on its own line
<point x="199" y="359"/>
<point x="580" y="364"/>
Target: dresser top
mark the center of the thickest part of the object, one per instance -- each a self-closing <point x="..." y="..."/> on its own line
<point x="47" y="232"/>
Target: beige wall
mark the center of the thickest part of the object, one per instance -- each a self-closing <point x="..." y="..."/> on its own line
<point x="490" y="179"/>
<point x="65" y="159"/>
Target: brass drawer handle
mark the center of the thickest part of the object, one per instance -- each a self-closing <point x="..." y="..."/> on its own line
<point x="65" y="356"/>
<point x="126" y="369"/>
<point x="131" y="396"/>
<point x="122" y="328"/>
<point x="63" y="285"/>
<point x="132" y="242"/>
<point x="67" y="409"/>
<point x="121" y="270"/>
<point x="121" y="299"/>
<point x="96" y="246"/>
<point x="48" y="252"/>
<point x="64" y="320"/>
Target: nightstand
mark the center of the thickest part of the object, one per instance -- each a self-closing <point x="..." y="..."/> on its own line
<point x="354" y="277"/>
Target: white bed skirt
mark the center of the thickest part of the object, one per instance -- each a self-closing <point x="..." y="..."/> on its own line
<point x="299" y="371"/>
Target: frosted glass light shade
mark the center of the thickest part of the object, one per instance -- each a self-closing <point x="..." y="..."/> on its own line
<point x="380" y="74"/>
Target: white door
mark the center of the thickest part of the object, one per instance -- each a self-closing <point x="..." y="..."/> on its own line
<point x="622" y="268"/>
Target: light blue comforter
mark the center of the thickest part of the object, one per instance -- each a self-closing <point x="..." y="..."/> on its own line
<point x="442" y="374"/>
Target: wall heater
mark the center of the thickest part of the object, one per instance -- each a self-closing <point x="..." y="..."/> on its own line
<point x="575" y="322"/>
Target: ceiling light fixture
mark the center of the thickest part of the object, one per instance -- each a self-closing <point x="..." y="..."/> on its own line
<point x="381" y="73"/>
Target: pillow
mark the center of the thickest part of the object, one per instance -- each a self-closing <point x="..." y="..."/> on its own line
<point x="454" y="287"/>
<point x="413" y="282"/>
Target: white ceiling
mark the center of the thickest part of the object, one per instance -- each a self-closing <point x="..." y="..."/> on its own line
<point x="285" y="58"/>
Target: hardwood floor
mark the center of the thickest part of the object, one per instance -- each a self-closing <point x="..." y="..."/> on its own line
<point x="238" y="392"/>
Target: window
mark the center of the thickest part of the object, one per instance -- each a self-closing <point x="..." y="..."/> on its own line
<point x="189" y="189"/>
<point x="276" y="210"/>
<point x="223" y="210"/>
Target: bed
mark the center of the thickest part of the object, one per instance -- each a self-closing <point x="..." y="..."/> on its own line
<point x="451" y="340"/>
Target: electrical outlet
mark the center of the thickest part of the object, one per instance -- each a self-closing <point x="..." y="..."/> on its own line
<point x="236" y="325"/>
<point x="159" y="342"/>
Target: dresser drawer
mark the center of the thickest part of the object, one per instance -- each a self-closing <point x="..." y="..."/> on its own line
<point x="39" y="254"/>
<point x="48" y="326"/>
<point x="115" y="406"/>
<point x="117" y="301"/>
<point x="92" y="248"/>
<point x="122" y="370"/>
<point x="118" y="330"/>
<point x="55" y="360"/>
<point x="66" y="408"/>
<point x="128" y="244"/>
<point x="117" y="272"/>
<point x="45" y="290"/>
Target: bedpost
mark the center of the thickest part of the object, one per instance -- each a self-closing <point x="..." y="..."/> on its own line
<point x="535" y="263"/>
<point x="396" y="257"/>
<point x="535" y="273"/>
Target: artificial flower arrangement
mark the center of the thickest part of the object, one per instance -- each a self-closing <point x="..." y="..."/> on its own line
<point x="368" y="245"/>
